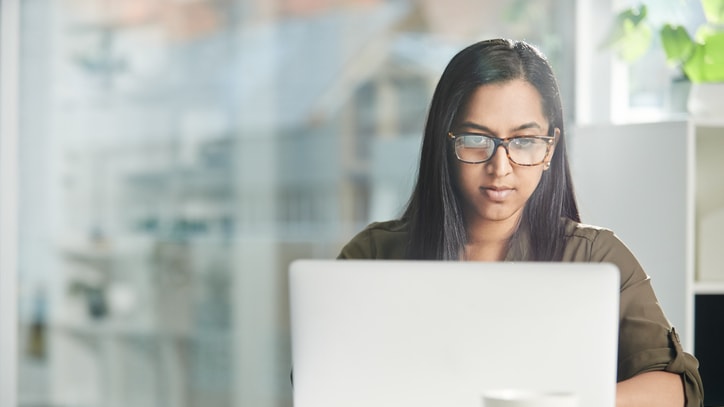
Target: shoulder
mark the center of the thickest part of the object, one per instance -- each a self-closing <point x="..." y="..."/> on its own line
<point x="588" y="243"/>
<point x="593" y="243"/>
<point x="587" y="234"/>
<point x="379" y="240"/>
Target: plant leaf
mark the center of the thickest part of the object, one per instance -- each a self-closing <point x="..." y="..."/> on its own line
<point x="704" y="32"/>
<point x="635" y="42"/>
<point x="694" y="66"/>
<point x="629" y="26"/>
<point x="713" y="68"/>
<point x="677" y="43"/>
<point x="713" y="10"/>
<point x="707" y="61"/>
<point x="636" y="14"/>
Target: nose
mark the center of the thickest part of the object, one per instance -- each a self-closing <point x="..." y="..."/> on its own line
<point x="499" y="165"/>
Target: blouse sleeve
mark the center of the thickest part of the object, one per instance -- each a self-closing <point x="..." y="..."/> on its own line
<point x="647" y="341"/>
<point x="379" y="240"/>
<point x="360" y="247"/>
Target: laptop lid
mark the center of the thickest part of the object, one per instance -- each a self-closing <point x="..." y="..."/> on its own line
<point x="426" y="333"/>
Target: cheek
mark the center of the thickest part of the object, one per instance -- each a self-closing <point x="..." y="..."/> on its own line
<point x="533" y="179"/>
<point x="466" y="175"/>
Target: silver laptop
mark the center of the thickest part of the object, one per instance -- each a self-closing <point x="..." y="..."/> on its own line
<point x="429" y="334"/>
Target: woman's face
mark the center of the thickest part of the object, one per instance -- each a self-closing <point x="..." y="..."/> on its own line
<point x="497" y="190"/>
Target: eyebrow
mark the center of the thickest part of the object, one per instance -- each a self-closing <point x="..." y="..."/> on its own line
<point x="525" y="126"/>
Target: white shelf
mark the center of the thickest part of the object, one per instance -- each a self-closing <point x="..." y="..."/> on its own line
<point x="102" y="330"/>
<point x="709" y="287"/>
<point x="707" y="121"/>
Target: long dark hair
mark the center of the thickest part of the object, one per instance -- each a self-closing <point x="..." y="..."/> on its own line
<point x="434" y="212"/>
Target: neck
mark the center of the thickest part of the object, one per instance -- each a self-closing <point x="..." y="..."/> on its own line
<point x="489" y="240"/>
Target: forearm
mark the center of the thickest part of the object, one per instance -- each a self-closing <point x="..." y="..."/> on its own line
<point x="660" y="389"/>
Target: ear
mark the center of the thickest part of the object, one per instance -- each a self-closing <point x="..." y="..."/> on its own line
<point x="549" y="157"/>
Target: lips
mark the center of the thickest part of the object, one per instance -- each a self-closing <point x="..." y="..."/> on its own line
<point x="497" y="194"/>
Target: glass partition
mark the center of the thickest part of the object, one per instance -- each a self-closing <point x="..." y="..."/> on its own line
<point x="175" y="156"/>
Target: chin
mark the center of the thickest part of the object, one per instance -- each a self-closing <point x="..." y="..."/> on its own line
<point x="500" y="214"/>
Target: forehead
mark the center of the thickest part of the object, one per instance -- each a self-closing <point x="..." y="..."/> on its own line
<point x="505" y="105"/>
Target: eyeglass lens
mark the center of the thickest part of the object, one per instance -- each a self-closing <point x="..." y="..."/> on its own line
<point x="521" y="150"/>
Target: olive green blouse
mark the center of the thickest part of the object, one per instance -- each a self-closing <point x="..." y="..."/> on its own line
<point x="647" y="341"/>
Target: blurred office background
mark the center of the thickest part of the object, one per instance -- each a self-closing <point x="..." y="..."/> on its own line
<point x="176" y="155"/>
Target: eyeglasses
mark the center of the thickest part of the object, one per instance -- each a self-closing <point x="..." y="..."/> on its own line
<point x="521" y="150"/>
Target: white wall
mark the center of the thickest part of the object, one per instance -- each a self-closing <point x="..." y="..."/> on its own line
<point x="632" y="179"/>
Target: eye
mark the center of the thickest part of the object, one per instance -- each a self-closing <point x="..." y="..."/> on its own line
<point x="477" y="141"/>
<point x="526" y="142"/>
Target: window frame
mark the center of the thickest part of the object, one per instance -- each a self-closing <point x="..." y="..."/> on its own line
<point x="9" y="78"/>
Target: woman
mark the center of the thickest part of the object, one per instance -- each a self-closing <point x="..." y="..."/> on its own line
<point x="494" y="185"/>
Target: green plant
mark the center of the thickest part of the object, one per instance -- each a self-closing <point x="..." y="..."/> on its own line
<point x="701" y="58"/>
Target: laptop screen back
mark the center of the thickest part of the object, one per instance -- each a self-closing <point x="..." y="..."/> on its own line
<point x="426" y="333"/>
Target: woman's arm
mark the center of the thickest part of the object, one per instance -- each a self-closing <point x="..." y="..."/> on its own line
<point x="660" y="389"/>
<point x="647" y="342"/>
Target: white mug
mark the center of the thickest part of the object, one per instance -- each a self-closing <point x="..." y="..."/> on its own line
<point x="528" y="398"/>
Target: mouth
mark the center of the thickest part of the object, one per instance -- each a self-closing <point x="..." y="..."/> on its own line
<point x="496" y="194"/>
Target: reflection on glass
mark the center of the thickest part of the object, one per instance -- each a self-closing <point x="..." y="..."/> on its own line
<point x="176" y="156"/>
